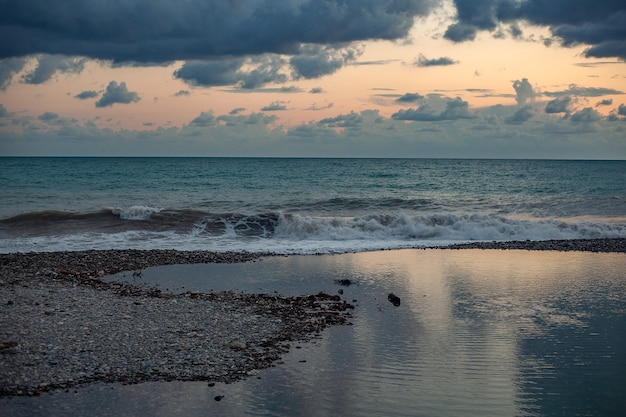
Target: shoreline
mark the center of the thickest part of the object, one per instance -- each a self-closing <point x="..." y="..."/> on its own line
<point x="62" y="326"/>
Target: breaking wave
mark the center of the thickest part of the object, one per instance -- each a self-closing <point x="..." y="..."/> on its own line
<point x="143" y="227"/>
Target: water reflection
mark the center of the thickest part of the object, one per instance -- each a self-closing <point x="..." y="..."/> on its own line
<point x="478" y="333"/>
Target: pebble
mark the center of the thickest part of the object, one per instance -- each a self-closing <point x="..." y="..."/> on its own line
<point x="66" y="327"/>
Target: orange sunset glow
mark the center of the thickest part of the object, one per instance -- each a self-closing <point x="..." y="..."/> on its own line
<point x="409" y="76"/>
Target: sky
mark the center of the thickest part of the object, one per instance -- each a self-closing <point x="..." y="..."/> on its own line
<point x="314" y="78"/>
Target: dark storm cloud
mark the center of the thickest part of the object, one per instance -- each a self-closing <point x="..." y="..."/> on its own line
<point x="314" y="61"/>
<point x="48" y="65"/>
<point x="460" y="32"/>
<point x="559" y="105"/>
<point x="598" y="23"/>
<point x="247" y="73"/>
<point x="8" y="68"/>
<point x="621" y="110"/>
<point x="455" y="109"/>
<point x="117" y="93"/>
<point x="163" y="30"/>
<point x="422" y="61"/>
<point x="84" y="95"/>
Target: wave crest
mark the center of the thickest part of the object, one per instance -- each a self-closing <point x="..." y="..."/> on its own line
<point x="135" y="212"/>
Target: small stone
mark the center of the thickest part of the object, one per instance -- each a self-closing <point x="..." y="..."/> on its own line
<point x="219" y="397"/>
<point x="393" y="299"/>
<point x="238" y="344"/>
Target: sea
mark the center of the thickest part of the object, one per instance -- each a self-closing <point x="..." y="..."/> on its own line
<point x="300" y="205"/>
<point x="477" y="332"/>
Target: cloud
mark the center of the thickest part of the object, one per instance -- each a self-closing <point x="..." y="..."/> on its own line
<point x="621" y="110"/>
<point x="8" y="68"/>
<point x="162" y="31"/>
<point x="47" y="116"/>
<point x="4" y="112"/>
<point x="599" y="23"/>
<point x="117" y="93"/>
<point x="455" y="109"/>
<point x="521" y="115"/>
<point x="205" y="119"/>
<point x="343" y="120"/>
<point x="410" y="98"/>
<point x="236" y="110"/>
<point x="316" y="90"/>
<point x="84" y="95"/>
<point x="49" y="65"/>
<point x="422" y="61"/>
<point x="315" y="107"/>
<point x="275" y="106"/>
<point x="314" y="61"/>
<point x="182" y="93"/>
<point x="491" y="133"/>
<point x="460" y="32"/>
<point x="576" y="90"/>
<point x="247" y="73"/>
<point x="586" y="115"/>
<point x="559" y="105"/>
<point x="233" y="120"/>
<point x="524" y="91"/>
<point x="605" y="102"/>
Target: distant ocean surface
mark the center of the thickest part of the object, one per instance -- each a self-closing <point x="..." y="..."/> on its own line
<point x="302" y="206"/>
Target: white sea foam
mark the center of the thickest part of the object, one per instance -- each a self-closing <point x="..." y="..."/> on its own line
<point x="297" y="234"/>
<point x="135" y="212"/>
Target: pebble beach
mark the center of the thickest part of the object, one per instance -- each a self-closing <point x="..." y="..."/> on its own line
<point x="62" y="325"/>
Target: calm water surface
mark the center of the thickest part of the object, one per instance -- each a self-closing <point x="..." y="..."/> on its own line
<point x="478" y="333"/>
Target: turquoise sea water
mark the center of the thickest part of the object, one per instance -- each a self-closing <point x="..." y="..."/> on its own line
<point x="302" y="205"/>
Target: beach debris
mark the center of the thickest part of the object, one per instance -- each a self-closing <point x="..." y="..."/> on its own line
<point x="345" y="282"/>
<point x="219" y="397"/>
<point x="393" y="299"/>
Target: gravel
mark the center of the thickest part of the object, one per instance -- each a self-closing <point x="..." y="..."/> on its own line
<point x="61" y="325"/>
<point x="580" y="245"/>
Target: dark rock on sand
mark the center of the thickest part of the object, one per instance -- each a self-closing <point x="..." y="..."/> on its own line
<point x="393" y="299"/>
